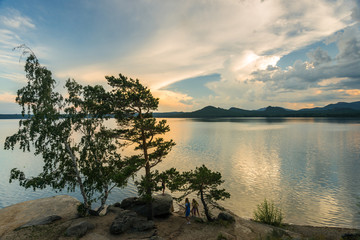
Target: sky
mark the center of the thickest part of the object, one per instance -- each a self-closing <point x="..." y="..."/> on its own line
<point x="226" y="53"/>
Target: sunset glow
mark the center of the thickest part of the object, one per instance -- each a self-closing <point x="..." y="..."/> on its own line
<point x="264" y="52"/>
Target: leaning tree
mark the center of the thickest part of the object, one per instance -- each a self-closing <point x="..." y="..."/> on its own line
<point x="204" y="183"/>
<point x="78" y="149"/>
<point x="133" y="106"/>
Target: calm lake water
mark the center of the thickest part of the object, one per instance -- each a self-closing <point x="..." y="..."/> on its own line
<point x="309" y="167"/>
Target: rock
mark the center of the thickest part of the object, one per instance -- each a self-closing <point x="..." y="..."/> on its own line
<point x="156" y="238"/>
<point x="130" y="202"/>
<point x="129" y="220"/>
<point x="79" y="229"/>
<point x="225" y="235"/>
<point x="123" y="222"/>
<point x="162" y="205"/>
<point x="141" y="224"/>
<point x="114" y="209"/>
<point x="40" y="221"/>
<point x="94" y="236"/>
<point x="16" y="215"/>
<point x="226" y="217"/>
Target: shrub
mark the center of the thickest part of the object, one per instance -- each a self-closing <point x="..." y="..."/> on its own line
<point x="268" y="213"/>
<point x="81" y="210"/>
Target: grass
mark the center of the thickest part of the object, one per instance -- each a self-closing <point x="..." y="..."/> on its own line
<point x="268" y="213"/>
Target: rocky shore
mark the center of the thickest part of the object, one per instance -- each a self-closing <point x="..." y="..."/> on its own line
<point x="56" y="218"/>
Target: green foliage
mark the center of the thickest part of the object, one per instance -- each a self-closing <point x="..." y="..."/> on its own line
<point x="268" y="213"/>
<point x="70" y="133"/>
<point x="204" y="183"/>
<point x="82" y="211"/>
<point x="133" y="104"/>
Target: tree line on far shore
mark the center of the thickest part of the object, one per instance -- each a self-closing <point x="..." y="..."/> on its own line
<point x="82" y="152"/>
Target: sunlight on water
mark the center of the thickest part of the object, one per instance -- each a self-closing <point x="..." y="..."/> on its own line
<point x="309" y="167"/>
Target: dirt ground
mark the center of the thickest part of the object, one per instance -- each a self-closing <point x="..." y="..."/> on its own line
<point x="176" y="227"/>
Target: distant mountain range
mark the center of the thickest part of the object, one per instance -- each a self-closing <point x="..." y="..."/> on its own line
<point x="340" y="109"/>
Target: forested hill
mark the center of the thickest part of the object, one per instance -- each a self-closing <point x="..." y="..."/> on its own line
<point x="340" y="109"/>
<point x="12" y="116"/>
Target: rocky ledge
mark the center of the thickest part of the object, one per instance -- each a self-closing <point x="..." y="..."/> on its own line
<point x="56" y="218"/>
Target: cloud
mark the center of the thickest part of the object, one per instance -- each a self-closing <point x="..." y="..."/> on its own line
<point x="319" y="56"/>
<point x="336" y="78"/>
<point x="163" y="42"/>
<point x="170" y="100"/>
<point x="13" y="29"/>
<point x="356" y="11"/>
<point x="14" y="20"/>
<point x="200" y="37"/>
<point x="7" y="97"/>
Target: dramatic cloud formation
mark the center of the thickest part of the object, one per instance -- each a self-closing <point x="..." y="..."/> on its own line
<point x="337" y="78"/>
<point x="275" y="52"/>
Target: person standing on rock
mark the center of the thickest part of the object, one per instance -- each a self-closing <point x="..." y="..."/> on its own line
<point x="195" y="208"/>
<point x="187" y="210"/>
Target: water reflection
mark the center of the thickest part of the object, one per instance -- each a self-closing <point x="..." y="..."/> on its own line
<point x="277" y="120"/>
<point x="310" y="167"/>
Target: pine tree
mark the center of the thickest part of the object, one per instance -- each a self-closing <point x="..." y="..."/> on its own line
<point x="133" y="106"/>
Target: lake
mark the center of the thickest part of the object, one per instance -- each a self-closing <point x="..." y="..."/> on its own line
<point x="310" y="167"/>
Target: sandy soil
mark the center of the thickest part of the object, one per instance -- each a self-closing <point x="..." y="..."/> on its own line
<point x="175" y="227"/>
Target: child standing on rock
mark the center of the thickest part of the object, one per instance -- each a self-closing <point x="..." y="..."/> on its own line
<point x="195" y="208"/>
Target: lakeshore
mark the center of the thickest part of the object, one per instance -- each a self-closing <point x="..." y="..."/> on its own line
<point x="171" y="227"/>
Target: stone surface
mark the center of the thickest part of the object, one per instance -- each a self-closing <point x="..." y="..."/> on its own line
<point x="226" y="217"/>
<point x="142" y="224"/>
<point x="129" y="220"/>
<point x="79" y="229"/>
<point x="123" y="222"/>
<point x="156" y="238"/>
<point x="94" y="236"/>
<point x="114" y="209"/>
<point x="134" y="204"/>
<point x="162" y="205"/>
<point x="226" y="236"/>
<point x="19" y="214"/>
<point x="40" y="221"/>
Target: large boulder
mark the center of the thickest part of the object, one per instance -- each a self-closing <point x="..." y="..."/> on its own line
<point x="129" y="220"/>
<point x="225" y="216"/>
<point x="162" y="205"/>
<point x="16" y="215"/>
<point x="40" y="221"/>
<point x="123" y="222"/>
<point x="79" y="229"/>
<point x="134" y="204"/>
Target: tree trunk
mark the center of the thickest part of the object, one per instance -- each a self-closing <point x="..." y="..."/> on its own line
<point x="103" y="200"/>
<point x="207" y="213"/>
<point x="148" y="193"/>
<point x="78" y="178"/>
